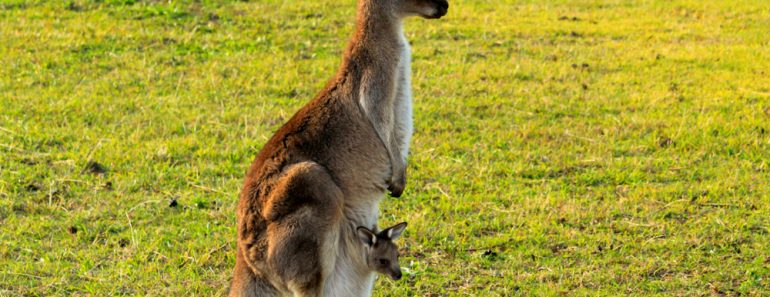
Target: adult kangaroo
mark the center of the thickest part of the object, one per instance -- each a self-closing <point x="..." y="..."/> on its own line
<point x="325" y="171"/>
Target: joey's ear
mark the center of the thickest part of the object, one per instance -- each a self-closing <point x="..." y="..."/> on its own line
<point x="394" y="232"/>
<point x="366" y="236"/>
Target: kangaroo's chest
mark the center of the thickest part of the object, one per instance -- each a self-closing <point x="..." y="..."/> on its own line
<point x="404" y="125"/>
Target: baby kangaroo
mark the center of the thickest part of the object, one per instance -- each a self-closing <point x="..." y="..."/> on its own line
<point x="381" y="252"/>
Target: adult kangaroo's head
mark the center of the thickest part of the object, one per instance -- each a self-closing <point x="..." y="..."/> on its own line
<point x="429" y="9"/>
<point x="382" y="253"/>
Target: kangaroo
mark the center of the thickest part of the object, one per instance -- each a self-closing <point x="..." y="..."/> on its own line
<point x="324" y="172"/>
<point x="382" y="253"/>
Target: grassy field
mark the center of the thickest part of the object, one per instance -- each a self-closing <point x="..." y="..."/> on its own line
<point x="562" y="147"/>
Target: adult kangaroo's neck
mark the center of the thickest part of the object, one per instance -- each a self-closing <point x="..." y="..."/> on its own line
<point x="378" y="37"/>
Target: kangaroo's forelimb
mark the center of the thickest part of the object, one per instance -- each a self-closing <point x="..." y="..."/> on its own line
<point x="378" y="94"/>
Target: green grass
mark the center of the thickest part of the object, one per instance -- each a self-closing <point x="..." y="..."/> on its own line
<point x="561" y="148"/>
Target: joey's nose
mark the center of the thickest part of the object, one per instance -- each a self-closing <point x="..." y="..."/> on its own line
<point x="396" y="276"/>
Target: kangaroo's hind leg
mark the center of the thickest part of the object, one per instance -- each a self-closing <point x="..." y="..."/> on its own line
<point x="247" y="284"/>
<point x="304" y="211"/>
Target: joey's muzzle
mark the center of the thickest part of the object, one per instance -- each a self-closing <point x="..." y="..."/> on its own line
<point x="395" y="275"/>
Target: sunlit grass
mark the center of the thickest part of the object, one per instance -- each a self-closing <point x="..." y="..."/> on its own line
<point x="561" y="147"/>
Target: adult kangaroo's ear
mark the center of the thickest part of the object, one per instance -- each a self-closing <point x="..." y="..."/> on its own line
<point x="367" y="236"/>
<point x="394" y="232"/>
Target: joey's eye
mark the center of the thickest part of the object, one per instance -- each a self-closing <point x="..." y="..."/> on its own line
<point x="384" y="262"/>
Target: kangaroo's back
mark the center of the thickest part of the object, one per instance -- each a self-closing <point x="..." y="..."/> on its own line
<point x="330" y="130"/>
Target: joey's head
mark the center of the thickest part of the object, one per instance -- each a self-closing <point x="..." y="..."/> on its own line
<point x="381" y="252"/>
<point x="429" y="9"/>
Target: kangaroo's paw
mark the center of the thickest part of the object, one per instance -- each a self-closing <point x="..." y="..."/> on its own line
<point x="397" y="185"/>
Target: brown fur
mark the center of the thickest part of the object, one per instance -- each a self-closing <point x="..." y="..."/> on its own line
<point x="323" y="173"/>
